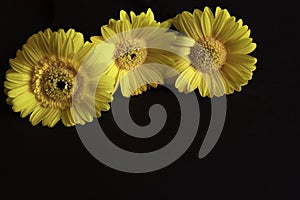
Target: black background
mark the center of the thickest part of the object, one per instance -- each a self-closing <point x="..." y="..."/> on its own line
<point x="257" y="156"/>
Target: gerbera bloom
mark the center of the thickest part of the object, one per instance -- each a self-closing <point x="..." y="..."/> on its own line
<point x="216" y="50"/>
<point x="46" y="84"/>
<point x="135" y="41"/>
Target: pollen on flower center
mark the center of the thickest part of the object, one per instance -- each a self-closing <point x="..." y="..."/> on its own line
<point x="208" y="55"/>
<point x="53" y="82"/>
<point x="130" y="54"/>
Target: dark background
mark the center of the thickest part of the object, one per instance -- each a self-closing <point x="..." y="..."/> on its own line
<point x="257" y="156"/>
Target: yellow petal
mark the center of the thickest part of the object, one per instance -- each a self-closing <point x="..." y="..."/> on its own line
<point x="126" y="25"/>
<point x="197" y="22"/>
<point x="67" y="50"/>
<point x="107" y="32"/>
<point x="104" y="107"/>
<point x="166" y="24"/>
<point x="84" y="52"/>
<point x="219" y="23"/>
<point x="242" y="46"/>
<point x="78" y="42"/>
<point x="218" y="10"/>
<point x="29" y="108"/>
<point x="184" y="41"/>
<point x="235" y="79"/>
<point x="241" y="59"/>
<point x="124" y="15"/>
<point x="139" y="21"/>
<point x="38" y="115"/>
<point x="19" y="66"/>
<point x="48" y="33"/>
<point x="229" y="89"/>
<point x="188" y="25"/>
<point x="240" y="33"/>
<point x="202" y="87"/>
<point x="215" y="84"/>
<point x="31" y="56"/>
<point x="150" y="14"/>
<point x="181" y="64"/>
<point x="187" y="80"/>
<point x="16" y="77"/>
<point x="22" y="98"/>
<point x="9" y="101"/>
<point x="184" y="23"/>
<point x="244" y="73"/>
<point x="132" y="16"/>
<point x="67" y="118"/>
<point x="206" y="23"/>
<point x="51" y="118"/>
<point x="81" y="113"/>
<point x="230" y="26"/>
<point x="70" y="33"/>
<point x="97" y="39"/>
<point x="43" y="43"/>
<point x="106" y="84"/>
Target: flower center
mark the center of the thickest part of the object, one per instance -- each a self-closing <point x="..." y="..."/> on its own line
<point x="130" y="53"/>
<point x="53" y="82"/>
<point x="208" y="55"/>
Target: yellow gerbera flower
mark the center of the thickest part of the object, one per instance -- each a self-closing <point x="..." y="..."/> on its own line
<point x="216" y="48"/>
<point x="134" y="42"/>
<point x="45" y="81"/>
